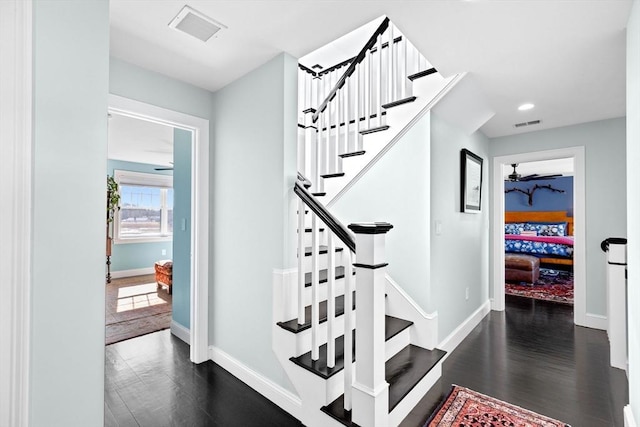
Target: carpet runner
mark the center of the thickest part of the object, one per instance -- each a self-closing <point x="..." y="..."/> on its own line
<point x="135" y="307"/>
<point x="553" y="285"/>
<point x="467" y="408"/>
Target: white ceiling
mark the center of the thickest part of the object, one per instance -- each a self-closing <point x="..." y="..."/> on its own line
<point x="140" y="141"/>
<point x="565" y="56"/>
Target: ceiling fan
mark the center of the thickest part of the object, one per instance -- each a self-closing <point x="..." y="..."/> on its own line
<point x="165" y="168"/>
<point x="516" y="177"/>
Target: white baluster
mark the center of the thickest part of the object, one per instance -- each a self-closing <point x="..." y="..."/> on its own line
<point x="322" y="149"/>
<point x="339" y="106"/>
<point x="379" y="88"/>
<point x="403" y="69"/>
<point x="331" y="300"/>
<point x="356" y="107"/>
<point x="347" y="115"/>
<point x="367" y="90"/>
<point x="315" y="288"/>
<point x="391" y="76"/>
<point x="348" y="327"/>
<point x="301" y="249"/>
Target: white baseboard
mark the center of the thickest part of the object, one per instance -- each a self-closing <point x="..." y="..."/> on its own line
<point x="267" y="388"/>
<point x="629" y="420"/>
<point x="133" y="272"/>
<point x="181" y="332"/>
<point x="459" y="334"/>
<point x="596" y="321"/>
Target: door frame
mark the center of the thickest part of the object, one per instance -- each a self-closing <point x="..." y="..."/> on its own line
<point x="199" y="286"/>
<point x="579" y="218"/>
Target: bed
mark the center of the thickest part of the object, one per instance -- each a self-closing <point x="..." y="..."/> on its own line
<point x="547" y="235"/>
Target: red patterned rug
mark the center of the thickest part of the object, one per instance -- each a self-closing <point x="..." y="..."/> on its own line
<point x="553" y="285"/>
<point x="467" y="408"/>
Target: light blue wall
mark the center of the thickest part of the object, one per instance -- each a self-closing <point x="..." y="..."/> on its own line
<point x="71" y="64"/>
<point x="182" y="235"/>
<point x="130" y="256"/>
<point x="606" y="204"/>
<point x="253" y="172"/>
<point x="633" y="207"/>
<point x="543" y="200"/>
<point x="460" y="254"/>
<point x="396" y="190"/>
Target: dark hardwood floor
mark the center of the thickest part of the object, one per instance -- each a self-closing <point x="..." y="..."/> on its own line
<point x="149" y="381"/>
<point x="532" y="355"/>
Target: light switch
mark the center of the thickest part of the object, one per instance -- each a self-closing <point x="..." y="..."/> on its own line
<point x="183" y="225"/>
<point x="438" y="228"/>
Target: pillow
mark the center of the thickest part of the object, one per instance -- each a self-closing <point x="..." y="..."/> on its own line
<point x="547" y="228"/>
<point x="529" y="233"/>
<point x="513" y="227"/>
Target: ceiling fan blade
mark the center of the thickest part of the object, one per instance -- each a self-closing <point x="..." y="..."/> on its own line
<point x="549" y="176"/>
<point x="163" y="169"/>
<point x="529" y="177"/>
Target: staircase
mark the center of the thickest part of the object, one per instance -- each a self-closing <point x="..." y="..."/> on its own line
<point x="356" y="348"/>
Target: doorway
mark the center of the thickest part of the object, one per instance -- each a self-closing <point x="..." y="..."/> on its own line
<point x="197" y="335"/>
<point x="498" y="223"/>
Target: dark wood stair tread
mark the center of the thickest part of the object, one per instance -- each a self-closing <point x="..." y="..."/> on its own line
<point x="323" y="250"/>
<point x="403" y="372"/>
<point x="352" y="154"/>
<point x="393" y="326"/>
<point x="422" y="73"/>
<point x="399" y="102"/>
<point x="293" y="325"/>
<point x="332" y="175"/>
<point x="373" y="130"/>
<point x="319" y="194"/>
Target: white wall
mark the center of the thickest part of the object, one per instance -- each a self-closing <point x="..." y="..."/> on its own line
<point x="396" y="190"/>
<point x="633" y="204"/>
<point x="71" y="66"/>
<point x="253" y="173"/>
<point x="460" y="255"/>
<point x="605" y="153"/>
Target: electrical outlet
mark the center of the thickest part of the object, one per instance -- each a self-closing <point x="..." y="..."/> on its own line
<point x="164" y="252"/>
<point x="466" y="293"/>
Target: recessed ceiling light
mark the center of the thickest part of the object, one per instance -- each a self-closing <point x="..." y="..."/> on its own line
<point x="525" y="107"/>
<point x="196" y="24"/>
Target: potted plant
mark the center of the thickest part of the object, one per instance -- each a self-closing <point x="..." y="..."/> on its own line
<point x="113" y="204"/>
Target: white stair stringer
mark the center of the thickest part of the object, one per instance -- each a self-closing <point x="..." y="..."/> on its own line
<point x="428" y="91"/>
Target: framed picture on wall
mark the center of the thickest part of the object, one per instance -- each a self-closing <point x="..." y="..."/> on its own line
<point x="471" y="182"/>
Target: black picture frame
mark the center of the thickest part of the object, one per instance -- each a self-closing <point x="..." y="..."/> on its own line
<point x="470" y="182"/>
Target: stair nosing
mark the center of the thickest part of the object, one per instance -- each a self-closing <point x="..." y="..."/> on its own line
<point x="374" y="130"/>
<point x="352" y="154"/>
<point x="399" y="102"/>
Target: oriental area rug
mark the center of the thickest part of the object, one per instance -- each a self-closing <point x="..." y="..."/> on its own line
<point x="136" y="307"/>
<point x="464" y="407"/>
<point x="553" y="285"/>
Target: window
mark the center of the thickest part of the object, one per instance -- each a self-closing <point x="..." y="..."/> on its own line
<point x="146" y="207"/>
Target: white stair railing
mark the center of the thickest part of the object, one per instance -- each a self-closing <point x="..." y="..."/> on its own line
<point x="349" y="100"/>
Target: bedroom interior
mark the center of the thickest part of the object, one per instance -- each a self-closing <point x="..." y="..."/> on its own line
<point x="139" y="297"/>
<point x="539" y="231"/>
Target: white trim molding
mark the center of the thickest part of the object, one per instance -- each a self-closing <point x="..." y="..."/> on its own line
<point x="132" y="272"/>
<point x="199" y="209"/>
<point x="16" y="145"/>
<point x="629" y="420"/>
<point x="181" y="332"/>
<point x="579" y="220"/>
<point x="459" y="334"/>
<point x="272" y="391"/>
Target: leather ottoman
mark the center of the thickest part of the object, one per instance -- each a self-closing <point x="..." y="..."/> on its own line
<point x="164" y="274"/>
<point x="521" y="268"/>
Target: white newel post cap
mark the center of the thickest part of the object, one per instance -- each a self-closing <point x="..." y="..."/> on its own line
<point x="370" y="242"/>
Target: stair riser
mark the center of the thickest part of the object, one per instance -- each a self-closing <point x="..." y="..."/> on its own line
<point x="323" y="261"/>
<point x="303" y="339"/>
<point x="323" y="289"/>
<point x="397" y="343"/>
<point x="410" y="401"/>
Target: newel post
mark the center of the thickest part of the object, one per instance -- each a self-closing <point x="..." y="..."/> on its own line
<point x="370" y="390"/>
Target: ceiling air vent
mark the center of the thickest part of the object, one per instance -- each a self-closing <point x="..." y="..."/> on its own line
<point x="523" y="124"/>
<point x="196" y="24"/>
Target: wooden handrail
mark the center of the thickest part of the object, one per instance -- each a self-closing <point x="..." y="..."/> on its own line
<point x="325" y="216"/>
<point x="357" y="60"/>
